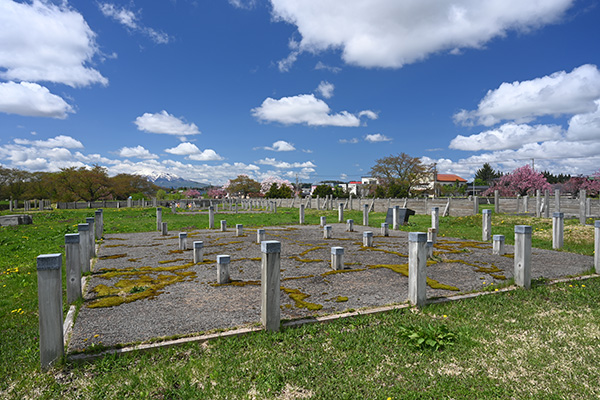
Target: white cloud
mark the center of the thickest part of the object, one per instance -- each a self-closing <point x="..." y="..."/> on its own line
<point x="507" y="136"/>
<point x="136" y="152"/>
<point x="32" y="100"/>
<point x="285" y="165"/>
<point x="206" y="155"/>
<point x="369" y="114"/>
<point x="244" y="4"/>
<point x="326" y="89"/>
<point x="585" y="126"/>
<point x="184" y="149"/>
<point x="58" y="141"/>
<point x="165" y="123"/>
<point x="321" y="66"/>
<point x="281" y="145"/>
<point x="302" y="109"/>
<point x="377" y="137"/>
<point x="41" y="41"/>
<point x="560" y="93"/>
<point x="383" y="33"/>
<point x="351" y="141"/>
<point x="130" y="20"/>
<point x="194" y="153"/>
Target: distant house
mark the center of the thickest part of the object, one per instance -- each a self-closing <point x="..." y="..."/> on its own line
<point x="354" y="187"/>
<point x="450" y="179"/>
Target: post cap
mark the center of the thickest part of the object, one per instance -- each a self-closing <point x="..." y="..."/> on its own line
<point x="239" y="226"/>
<point x="367" y="234"/>
<point x="49" y="261"/>
<point x="270" y="246"/>
<point x="420" y="237"/>
<point x="487" y="212"/>
<point x="223" y="259"/>
<point x="597" y="224"/>
<point x="198" y="244"/>
<point x="384" y="224"/>
<point x="350" y="221"/>
<point x="260" y="231"/>
<point x="558" y="215"/>
<point x="83" y="227"/>
<point x="90" y="220"/>
<point x="71" y="238"/>
<point x="182" y="234"/>
<point x="523" y="229"/>
<point x="337" y="251"/>
<point x="499" y="237"/>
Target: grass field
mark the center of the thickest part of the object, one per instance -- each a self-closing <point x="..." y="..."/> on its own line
<point x="541" y="343"/>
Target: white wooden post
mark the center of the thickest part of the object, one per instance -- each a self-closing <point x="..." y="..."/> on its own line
<point x="301" y="212"/>
<point x="239" y="230"/>
<point x="323" y="221"/>
<point x="198" y="251"/>
<point x="327" y="232"/>
<point x="90" y="222"/>
<point x="523" y="256"/>
<point x="211" y="217"/>
<point x="182" y="240"/>
<point x="417" y="262"/>
<point x="337" y="258"/>
<point x="486" y="222"/>
<point x="385" y="231"/>
<point x="223" y="225"/>
<point x="597" y="246"/>
<point x="366" y="215"/>
<point x="368" y="239"/>
<point x="341" y="212"/>
<point x="558" y="226"/>
<point x="270" y="284"/>
<point x="223" y="261"/>
<point x="350" y="225"/>
<point x="396" y="218"/>
<point x="260" y="235"/>
<point x="498" y="248"/>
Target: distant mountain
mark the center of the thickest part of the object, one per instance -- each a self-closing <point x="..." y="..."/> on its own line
<point x="170" y="181"/>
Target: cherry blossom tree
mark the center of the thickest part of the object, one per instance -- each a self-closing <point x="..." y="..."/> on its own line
<point x="521" y="181"/>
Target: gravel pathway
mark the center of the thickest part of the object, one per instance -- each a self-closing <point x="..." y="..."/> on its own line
<point x="176" y="297"/>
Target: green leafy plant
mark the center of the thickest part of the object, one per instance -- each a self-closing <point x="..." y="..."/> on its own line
<point x="428" y="337"/>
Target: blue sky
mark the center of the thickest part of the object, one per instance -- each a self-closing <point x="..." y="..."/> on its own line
<point x="319" y="90"/>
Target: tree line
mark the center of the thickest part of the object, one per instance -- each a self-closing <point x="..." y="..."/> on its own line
<point x="73" y="184"/>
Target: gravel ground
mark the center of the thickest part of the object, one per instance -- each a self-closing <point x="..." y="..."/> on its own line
<point x="194" y="303"/>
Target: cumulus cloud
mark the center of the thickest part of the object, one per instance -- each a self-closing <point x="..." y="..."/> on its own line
<point x="165" y="123"/>
<point x="507" y="136"/>
<point x="280" y="145"/>
<point x="136" y="152"/>
<point x="390" y="34"/>
<point x="41" y="155"/>
<point x="42" y="41"/>
<point x="285" y="165"/>
<point x="585" y="126"/>
<point x="58" y="141"/>
<point x="32" y="100"/>
<point x="561" y="93"/>
<point x="326" y="89"/>
<point x="302" y="109"/>
<point x="130" y="20"/>
<point x="377" y="137"/>
<point x="192" y="152"/>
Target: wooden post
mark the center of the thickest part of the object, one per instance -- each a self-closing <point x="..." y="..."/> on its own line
<point x="84" y="246"/>
<point x="523" y="256"/>
<point x="366" y="215"/>
<point x="558" y="226"/>
<point x="198" y="251"/>
<point x="301" y="214"/>
<point x="182" y="240"/>
<point x="239" y="230"/>
<point x="498" y="248"/>
<point x="337" y="258"/>
<point x="486" y="221"/>
<point x="158" y="218"/>
<point x="417" y="262"/>
<point x="368" y="239"/>
<point x="597" y="246"/>
<point x="90" y="222"/>
<point x="73" y="261"/>
<point x="50" y="309"/>
<point x="385" y="231"/>
<point x="99" y="223"/>
<point x="270" y="284"/>
<point x="350" y="225"/>
<point x="211" y="217"/>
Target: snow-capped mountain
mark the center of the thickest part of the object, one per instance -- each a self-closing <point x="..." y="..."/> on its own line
<point x="170" y="181"/>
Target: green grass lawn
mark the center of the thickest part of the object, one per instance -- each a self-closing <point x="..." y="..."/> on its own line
<point x="542" y="343"/>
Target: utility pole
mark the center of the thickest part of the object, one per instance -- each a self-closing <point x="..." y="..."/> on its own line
<point x="533" y="164"/>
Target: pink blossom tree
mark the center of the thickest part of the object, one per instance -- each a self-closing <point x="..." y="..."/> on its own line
<point x="521" y="181"/>
<point x="592" y="184"/>
<point x="192" y="193"/>
<point x="216" y="193"/>
<point x="266" y="184"/>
